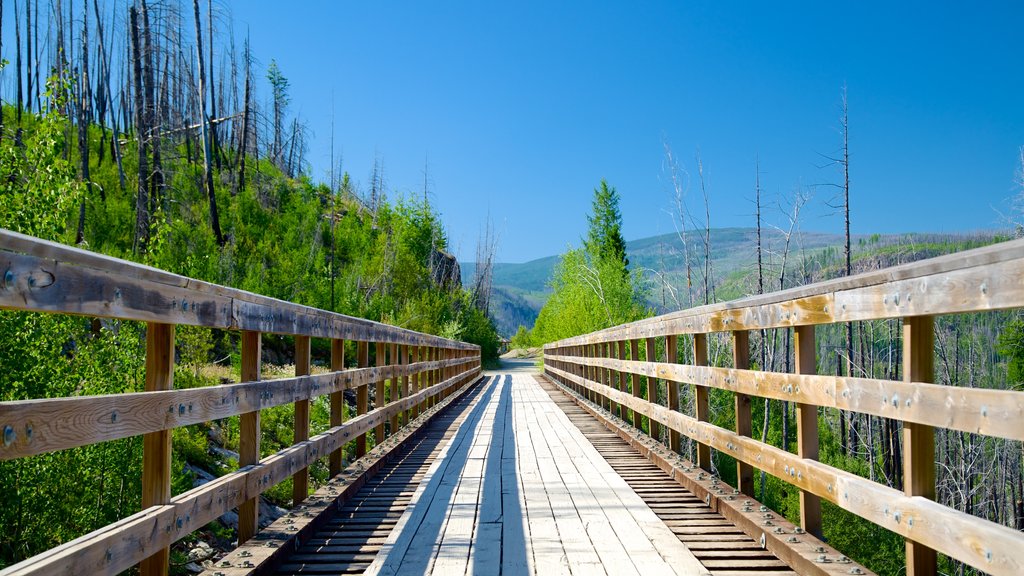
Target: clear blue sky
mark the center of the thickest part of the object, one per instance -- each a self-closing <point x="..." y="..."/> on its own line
<point x="522" y="107"/>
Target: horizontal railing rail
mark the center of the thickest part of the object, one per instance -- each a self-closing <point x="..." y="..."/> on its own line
<point x="606" y="368"/>
<point x="412" y="372"/>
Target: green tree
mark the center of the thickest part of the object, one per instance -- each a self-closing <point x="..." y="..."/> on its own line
<point x="604" y="235"/>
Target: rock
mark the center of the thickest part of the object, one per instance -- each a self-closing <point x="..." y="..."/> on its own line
<point x="224" y="453"/>
<point x="201" y="476"/>
<point x="269" y="513"/>
<point x="202" y="551"/>
<point x="193" y="568"/>
<point x="216" y="435"/>
<point x="230" y="519"/>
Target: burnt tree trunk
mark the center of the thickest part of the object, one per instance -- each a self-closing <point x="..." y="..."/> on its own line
<point x="207" y="168"/>
<point x="142" y="199"/>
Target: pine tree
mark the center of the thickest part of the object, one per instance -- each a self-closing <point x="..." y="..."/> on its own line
<point x="604" y="236"/>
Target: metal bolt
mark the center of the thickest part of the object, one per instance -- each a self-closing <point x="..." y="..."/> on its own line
<point x="184" y="305"/>
<point x="9" y="435"/>
<point x="8" y="278"/>
<point x="793" y="540"/>
<point x="244" y="554"/>
<point x="28" y="432"/>
<point x="117" y="293"/>
<point x="31" y="281"/>
<point x="984" y="411"/>
<point x="113" y="417"/>
<point x="181" y="409"/>
<point x="843" y="559"/>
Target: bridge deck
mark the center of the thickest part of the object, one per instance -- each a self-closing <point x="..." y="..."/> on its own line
<point x="519" y="488"/>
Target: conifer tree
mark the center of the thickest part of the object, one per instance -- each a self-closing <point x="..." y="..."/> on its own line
<point x="604" y="236"/>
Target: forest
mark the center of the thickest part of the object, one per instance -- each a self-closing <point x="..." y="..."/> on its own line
<point x="127" y="134"/>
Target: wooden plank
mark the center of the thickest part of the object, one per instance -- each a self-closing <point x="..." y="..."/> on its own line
<point x="741" y="361"/>
<point x="975" y="410"/>
<point x="671" y="357"/>
<point x="621" y="345"/>
<point x="650" y="354"/>
<point x="249" y="435"/>
<point x="807" y="426"/>
<point x="336" y="459"/>
<point x="394" y="359"/>
<point x="918" y="439"/>
<point x="379" y="359"/>
<point x="362" y="394"/>
<point x="300" y="480"/>
<point x="156" y="446"/>
<point x="973" y="280"/>
<point x="634" y="354"/>
<point x="700" y="396"/>
<point x="60" y="423"/>
<point x="46" y="276"/>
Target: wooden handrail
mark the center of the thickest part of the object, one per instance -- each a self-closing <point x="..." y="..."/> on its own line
<point x="973" y="281"/>
<point x="41" y="276"/>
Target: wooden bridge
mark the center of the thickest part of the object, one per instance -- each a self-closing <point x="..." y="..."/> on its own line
<point x="577" y="470"/>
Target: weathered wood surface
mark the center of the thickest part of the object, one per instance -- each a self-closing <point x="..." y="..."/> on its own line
<point x="60" y="423"/>
<point x="521" y="490"/>
<point x="976" y="410"/>
<point x="121" y="545"/>
<point x="988" y="278"/>
<point x="45" y="276"/>
<point x="985" y="545"/>
<point x="156" y="446"/>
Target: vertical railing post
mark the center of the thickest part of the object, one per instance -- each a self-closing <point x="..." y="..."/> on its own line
<point x="403" y="359"/>
<point x="807" y="428"/>
<point x="362" y="394"/>
<point x="651" y="354"/>
<point x="335" y="461"/>
<point x="300" y="480"/>
<point x="393" y="359"/>
<point x="380" y="359"/>
<point x="919" y="439"/>
<point x="613" y="379"/>
<point x="672" y="389"/>
<point x="249" y="435"/>
<point x="744" y="426"/>
<point x="700" y="397"/>
<point x="621" y="347"/>
<point x="634" y="382"/>
<point x="156" y="446"/>
<point x="416" y="380"/>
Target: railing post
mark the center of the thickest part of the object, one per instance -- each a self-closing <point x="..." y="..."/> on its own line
<point x="621" y="346"/>
<point x="919" y="439"/>
<point x="744" y="427"/>
<point x="700" y="397"/>
<point x="394" y="387"/>
<point x="672" y="389"/>
<point x="362" y="394"/>
<point x="613" y="379"/>
<point x="651" y="355"/>
<point x="335" y="460"/>
<point x="403" y="359"/>
<point x="156" y="446"/>
<point x="807" y="427"/>
<point x="249" y="435"/>
<point x="379" y="361"/>
<point x="634" y="380"/>
<point x="300" y="480"/>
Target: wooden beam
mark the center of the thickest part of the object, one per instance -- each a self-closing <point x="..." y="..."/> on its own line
<point x="621" y="346"/>
<point x="336" y="459"/>
<point x="744" y="426"/>
<point x="156" y="446"/>
<point x="807" y="427"/>
<point x="249" y="435"/>
<point x="700" y="397"/>
<point x="918" y="439"/>
<point x="393" y="424"/>
<point x="671" y="357"/>
<point x="300" y="480"/>
<point x="379" y="400"/>
<point x="404" y="359"/>
<point x="651" y="355"/>
<point x="362" y="394"/>
<point x="634" y="380"/>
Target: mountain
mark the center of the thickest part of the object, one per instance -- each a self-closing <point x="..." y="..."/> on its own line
<point x="520" y="290"/>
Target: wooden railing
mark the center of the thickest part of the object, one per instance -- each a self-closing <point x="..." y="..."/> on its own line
<point x="41" y="276"/>
<point x="598" y="367"/>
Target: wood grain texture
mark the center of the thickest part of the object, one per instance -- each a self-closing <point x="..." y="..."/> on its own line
<point x="741" y="403"/>
<point x="300" y="426"/>
<point x="671" y="357"/>
<point x="379" y="359"/>
<point x="805" y="360"/>
<point x="980" y="543"/>
<point x="362" y="394"/>
<point x="156" y="446"/>
<point x="48" y="277"/>
<point x="918" y="439"/>
<point x="700" y="398"/>
<point x="975" y="410"/>
<point x="249" y="434"/>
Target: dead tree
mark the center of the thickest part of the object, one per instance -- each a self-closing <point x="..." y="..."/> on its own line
<point x="243" y="147"/>
<point x="83" y="125"/>
<point x="207" y="168"/>
<point x="156" y="178"/>
<point x="142" y="199"/>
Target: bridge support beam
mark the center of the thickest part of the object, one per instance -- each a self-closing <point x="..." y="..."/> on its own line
<point x="702" y="408"/>
<point x="807" y="427"/>
<point x="362" y="394"/>
<point x="300" y="480"/>
<point x="919" y="439"/>
<point x="744" y="427"/>
<point x="335" y="460"/>
<point x="249" y="434"/>
<point x="672" y="389"/>
<point x="156" y="446"/>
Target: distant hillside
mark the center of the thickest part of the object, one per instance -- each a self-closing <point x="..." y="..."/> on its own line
<point x="520" y="290"/>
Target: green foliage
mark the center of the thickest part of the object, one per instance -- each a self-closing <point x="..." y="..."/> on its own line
<point x="604" y="234"/>
<point x="521" y="339"/>
<point x="1011" y="345"/>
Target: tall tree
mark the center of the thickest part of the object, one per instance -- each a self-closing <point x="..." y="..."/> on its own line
<point x="142" y="198"/>
<point x="279" y="91"/>
<point x="207" y="168"/>
<point x="604" y="233"/>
